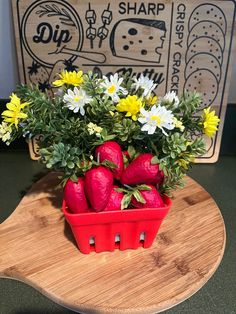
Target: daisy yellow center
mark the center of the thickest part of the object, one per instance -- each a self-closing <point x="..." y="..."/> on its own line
<point x="77" y="98"/>
<point x="157" y="120"/>
<point x="111" y="89"/>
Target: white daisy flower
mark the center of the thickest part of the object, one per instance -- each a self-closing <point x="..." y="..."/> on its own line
<point x="76" y="100"/>
<point x="144" y="83"/>
<point x="171" y="97"/>
<point x="112" y="87"/>
<point x="157" y="117"/>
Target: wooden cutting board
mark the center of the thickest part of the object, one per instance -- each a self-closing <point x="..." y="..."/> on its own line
<point x="179" y="44"/>
<point x="37" y="247"/>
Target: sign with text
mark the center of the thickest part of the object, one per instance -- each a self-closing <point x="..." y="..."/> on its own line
<point x="181" y="45"/>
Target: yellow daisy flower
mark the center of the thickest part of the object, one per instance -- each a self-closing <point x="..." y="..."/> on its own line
<point x="5" y="132"/>
<point x="14" y="113"/>
<point x="185" y="163"/>
<point x="210" y="122"/>
<point x="131" y="105"/>
<point x="152" y="100"/>
<point x="71" y="78"/>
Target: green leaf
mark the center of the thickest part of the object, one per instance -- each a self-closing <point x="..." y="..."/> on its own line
<point x="74" y="178"/>
<point x="109" y="137"/>
<point x="109" y="164"/>
<point x="138" y="196"/>
<point x="120" y="190"/>
<point x="70" y="165"/>
<point x="143" y="187"/>
<point x="126" y="201"/>
<point x="64" y="163"/>
<point x="131" y="152"/>
<point x="78" y="164"/>
<point x="155" y="160"/>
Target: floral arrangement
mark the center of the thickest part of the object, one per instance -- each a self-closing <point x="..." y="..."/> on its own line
<point x="116" y="123"/>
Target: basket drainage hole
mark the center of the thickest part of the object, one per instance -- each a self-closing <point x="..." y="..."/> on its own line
<point x="92" y="243"/>
<point x="142" y="238"/>
<point x="91" y="240"/>
<point x="117" y="241"/>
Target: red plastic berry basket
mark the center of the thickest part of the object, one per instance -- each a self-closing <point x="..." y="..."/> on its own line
<point x="107" y="231"/>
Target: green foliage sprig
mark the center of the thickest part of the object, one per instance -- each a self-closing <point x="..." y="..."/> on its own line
<point x="87" y="111"/>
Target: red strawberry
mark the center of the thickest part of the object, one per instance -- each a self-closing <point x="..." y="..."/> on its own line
<point x="141" y="170"/>
<point x="115" y="200"/>
<point x="74" y="196"/>
<point x="160" y="177"/>
<point x="112" y="151"/>
<point x="98" y="186"/>
<point x="152" y="198"/>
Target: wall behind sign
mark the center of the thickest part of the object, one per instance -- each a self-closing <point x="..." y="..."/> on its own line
<point x="8" y="64"/>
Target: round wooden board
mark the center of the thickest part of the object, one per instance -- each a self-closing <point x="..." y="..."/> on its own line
<point x="37" y="247"/>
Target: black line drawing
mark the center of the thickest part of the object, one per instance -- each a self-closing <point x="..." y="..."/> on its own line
<point x="203" y="61"/>
<point x="26" y="29"/>
<point x="169" y="48"/>
<point x="204" y="56"/>
<point x="88" y="55"/>
<point x="129" y="30"/>
<point x="90" y="17"/>
<point x="208" y="12"/>
<point x="209" y="147"/>
<point x="69" y="65"/>
<point x="54" y="10"/>
<point x="205" y="82"/>
<point x="35" y="145"/>
<point x="103" y="31"/>
<point x="37" y="73"/>
<point x="205" y="44"/>
<point x="209" y="29"/>
<point x="71" y="58"/>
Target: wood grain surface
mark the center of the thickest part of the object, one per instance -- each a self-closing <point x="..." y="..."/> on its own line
<point x="37" y="247"/>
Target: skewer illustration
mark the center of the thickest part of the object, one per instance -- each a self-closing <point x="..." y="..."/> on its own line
<point x="106" y="19"/>
<point x="91" y="19"/>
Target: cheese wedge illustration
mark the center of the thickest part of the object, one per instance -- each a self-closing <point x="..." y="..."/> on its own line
<point x="138" y="39"/>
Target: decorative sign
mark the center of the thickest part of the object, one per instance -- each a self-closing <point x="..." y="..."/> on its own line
<point x="181" y="45"/>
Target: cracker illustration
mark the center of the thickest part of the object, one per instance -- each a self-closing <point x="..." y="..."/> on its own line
<point x="138" y="39"/>
<point x="203" y="61"/>
<point x="208" y="12"/>
<point x="204" y="82"/>
<point x="205" y="45"/>
<point x="209" y="29"/>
